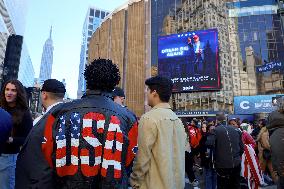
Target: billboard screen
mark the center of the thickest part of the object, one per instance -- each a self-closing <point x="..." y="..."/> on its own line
<point x="190" y="60"/>
<point x="254" y="104"/>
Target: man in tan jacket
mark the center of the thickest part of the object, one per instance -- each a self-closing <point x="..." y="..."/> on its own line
<point x="160" y="161"/>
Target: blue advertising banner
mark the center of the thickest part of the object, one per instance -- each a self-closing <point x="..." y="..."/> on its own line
<point x="254" y="104"/>
<point x="269" y="67"/>
<point x="190" y="60"/>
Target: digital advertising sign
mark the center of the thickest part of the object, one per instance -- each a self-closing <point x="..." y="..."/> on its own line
<point x="190" y="60"/>
<point x="255" y="104"/>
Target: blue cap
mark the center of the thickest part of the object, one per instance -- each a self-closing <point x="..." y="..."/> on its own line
<point x="5" y="125"/>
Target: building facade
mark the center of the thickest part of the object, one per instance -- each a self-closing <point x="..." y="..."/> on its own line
<point x="92" y="22"/>
<point x="194" y="15"/>
<point x="17" y="10"/>
<point x="46" y="59"/>
<point x="124" y="37"/>
<point x="160" y="9"/>
<point x="257" y="50"/>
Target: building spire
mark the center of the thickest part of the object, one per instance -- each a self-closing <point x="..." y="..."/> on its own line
<point x="50" y="32"/>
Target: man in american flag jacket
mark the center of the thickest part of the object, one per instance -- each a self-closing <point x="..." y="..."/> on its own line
<point x="91" y="142"/>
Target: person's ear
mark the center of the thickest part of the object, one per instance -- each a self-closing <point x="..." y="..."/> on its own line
<point x="44" y="95"/>
<point x="154" y="93"/>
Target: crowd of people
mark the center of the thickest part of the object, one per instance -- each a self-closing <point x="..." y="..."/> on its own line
<point x="235" y="153"/>
<point x="97" y="142"/>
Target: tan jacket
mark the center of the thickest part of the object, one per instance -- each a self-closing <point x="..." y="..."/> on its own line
<point x="160" y="161"/>
<point x="263" y="143"/>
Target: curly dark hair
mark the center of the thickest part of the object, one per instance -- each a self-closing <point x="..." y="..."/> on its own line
<point x="21" y="101"/>
<point x="102" y="74"/>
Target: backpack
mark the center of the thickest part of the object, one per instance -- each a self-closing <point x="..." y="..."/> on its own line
<point x="194" y="136"/>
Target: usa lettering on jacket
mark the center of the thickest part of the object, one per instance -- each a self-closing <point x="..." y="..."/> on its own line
<point x="96" y="159"/>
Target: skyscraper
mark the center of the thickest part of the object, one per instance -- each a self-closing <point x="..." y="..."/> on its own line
<point x="93" y="20"/>
<point x="26" y="70"/>
<point x="13" y="21"/>
<point x="159" y="10"/>
<point x="194" y="15"/>
<point x="256" y="32"/>
<point x="46" y="59"/>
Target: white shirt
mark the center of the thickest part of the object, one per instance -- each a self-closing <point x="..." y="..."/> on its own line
<point x="47" y="110"/>
<point x="197" y="48"/>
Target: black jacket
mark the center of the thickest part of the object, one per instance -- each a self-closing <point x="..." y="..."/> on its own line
<point x="32" y="170"/>
<point x="204" y="155"/>
<point x="276" y="129"/>
<point x="90" y="143"/>
<point x="275" y="121"/>
<point x="206" y="151"/>
<point x="228" y="147"/>
<point x="255" y="132"/>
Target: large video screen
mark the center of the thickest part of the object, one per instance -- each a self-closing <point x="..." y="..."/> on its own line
<point x="190" y="60"/>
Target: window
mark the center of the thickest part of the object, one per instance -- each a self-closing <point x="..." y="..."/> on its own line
<point x="91" y="20"/>
<point x="103" y="14"/>
<point x="90" y="33"/>
<point x="90" y="27"/>
<point x="91" y="12"/>
<point x="97" y="14"/>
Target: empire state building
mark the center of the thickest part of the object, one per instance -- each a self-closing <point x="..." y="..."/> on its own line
<point x="46" y="59"/>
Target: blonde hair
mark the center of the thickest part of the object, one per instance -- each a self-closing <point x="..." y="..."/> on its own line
<point x="262" y="131"/>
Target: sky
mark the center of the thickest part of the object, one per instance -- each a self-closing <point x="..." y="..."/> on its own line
<point x="67" y="18"/>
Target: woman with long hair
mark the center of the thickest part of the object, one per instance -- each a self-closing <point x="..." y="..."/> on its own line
<point x="13" y="100"/>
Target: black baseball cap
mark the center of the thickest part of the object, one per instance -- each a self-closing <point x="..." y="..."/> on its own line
<point x="118" y="92"/>
<point x="53" y="86"/>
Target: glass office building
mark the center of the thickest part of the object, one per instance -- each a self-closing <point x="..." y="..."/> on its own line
<point x="159" y="10"/>
<point x="26" y="70"/>
<point x="13" y="21"/>
<point x="92" y="22"/>
<point x="46" y="59"/>
<point x="260" y="53"/>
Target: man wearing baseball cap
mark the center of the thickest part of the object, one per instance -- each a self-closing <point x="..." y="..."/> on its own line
<point x="118" y="96"/>
<point x="52" y="94"/>
<point x="32" y="169"/>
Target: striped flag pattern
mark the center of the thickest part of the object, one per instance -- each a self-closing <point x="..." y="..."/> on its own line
<point x="61" y="164"/>
<point x="87" y="133"/>
<point x="251" y="168"/>
<point x="93" y="142"/>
